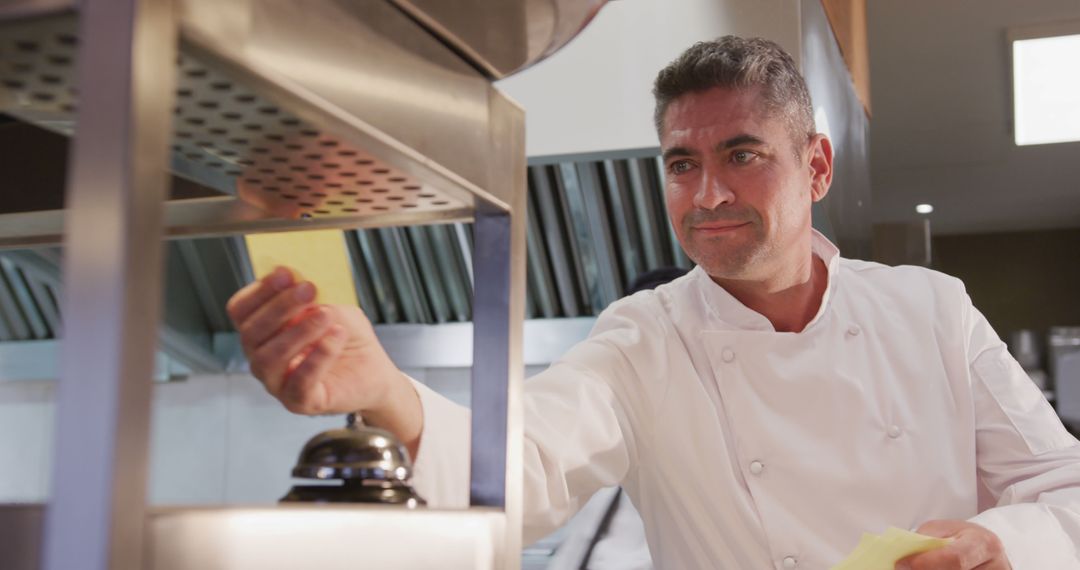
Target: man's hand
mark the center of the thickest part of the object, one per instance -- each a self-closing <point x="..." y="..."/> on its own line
<point x="322" y="359"/>
<point x="973" y="548"/>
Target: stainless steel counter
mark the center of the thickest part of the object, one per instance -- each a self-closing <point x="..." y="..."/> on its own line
<point x="290" y="538"/>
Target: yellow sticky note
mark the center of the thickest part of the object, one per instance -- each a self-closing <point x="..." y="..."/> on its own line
<point x="319" y="256"/>
<point x="882" y="552"/>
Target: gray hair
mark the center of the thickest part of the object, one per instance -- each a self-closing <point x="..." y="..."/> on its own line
<point x="739" y="63"/>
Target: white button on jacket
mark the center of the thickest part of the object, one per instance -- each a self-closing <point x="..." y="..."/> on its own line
<point x="651" y="401"/>
<point x="757" y="467"/>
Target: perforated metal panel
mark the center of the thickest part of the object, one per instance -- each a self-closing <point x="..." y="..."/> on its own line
<point x="225" y="135"/>
<point x="280" y="162"/>
<point x="37" y="71"/>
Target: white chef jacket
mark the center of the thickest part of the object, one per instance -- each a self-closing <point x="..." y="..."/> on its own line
<point x="747" y="448"/>
<point x="606" y="534"/>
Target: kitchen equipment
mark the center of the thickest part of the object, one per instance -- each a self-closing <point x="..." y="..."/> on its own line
<point x="370" y="464"/>
<point x="1024" y="347"/>
<point x="1061" y="341"/>
<point x="274" y="115"/>
<point x="1068" y="390"/>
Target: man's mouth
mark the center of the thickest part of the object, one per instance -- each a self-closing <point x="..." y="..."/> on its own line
<point x="717" y="228"/>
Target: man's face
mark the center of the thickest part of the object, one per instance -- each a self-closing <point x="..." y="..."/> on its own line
<point x="739" y="188"/>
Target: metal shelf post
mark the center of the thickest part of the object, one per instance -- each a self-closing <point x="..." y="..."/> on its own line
<point x="113" y="277"/>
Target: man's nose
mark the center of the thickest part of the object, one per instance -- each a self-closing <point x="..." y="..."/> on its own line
<point x="714" y="192"/>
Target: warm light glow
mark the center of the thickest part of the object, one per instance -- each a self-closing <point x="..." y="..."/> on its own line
<point x="1046" y="89"/>
<point x="924" y="208"/>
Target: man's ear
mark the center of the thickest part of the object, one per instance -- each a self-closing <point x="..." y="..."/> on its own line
<point x="820" y="164"/>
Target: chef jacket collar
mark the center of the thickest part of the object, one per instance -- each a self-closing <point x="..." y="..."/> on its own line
<point x="730" y="310"/>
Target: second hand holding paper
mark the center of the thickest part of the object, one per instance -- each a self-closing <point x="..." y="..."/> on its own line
<point x="882" y="552"/>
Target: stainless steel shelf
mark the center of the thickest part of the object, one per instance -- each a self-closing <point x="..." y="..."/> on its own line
<point x="293" y="128"/>
<point x="283" y="115"/>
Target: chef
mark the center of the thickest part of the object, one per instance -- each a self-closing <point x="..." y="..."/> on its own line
<point x="764" y="410"/>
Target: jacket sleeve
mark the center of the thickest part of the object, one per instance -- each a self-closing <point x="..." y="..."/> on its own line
<point x="1026" y="458"/>
<point x="583" y="417"/>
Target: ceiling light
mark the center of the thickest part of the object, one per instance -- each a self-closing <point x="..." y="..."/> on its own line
<point x="924" y="208"/>
<point x="1046" y="87"/>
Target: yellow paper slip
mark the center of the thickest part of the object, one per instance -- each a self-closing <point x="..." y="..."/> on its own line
<point x="319" y="256"/>
<point x="882" y="552"/>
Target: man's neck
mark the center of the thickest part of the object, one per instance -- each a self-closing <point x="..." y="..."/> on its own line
<point x="789" y="299"/>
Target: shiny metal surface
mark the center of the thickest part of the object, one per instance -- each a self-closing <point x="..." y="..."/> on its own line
<point x="405" y="275"/>
<point x="36" y="360"/>
<point x="354" y="452"/>
<point x="541" y="285"/>
<point x="355" y="491"/>
<point x="207" y="218"/>
<point x="1061" y="342"/>
<point x="589" y="210"/>
<point x="637" y="224"/>
<point x="259" y="118"/>
<point x="332" y="537"/>
<point x="501" y="37"/>
<point x="448" y="345"/>
<point x="375" y="268"/>
<point x="216" y="268"/>
<point x="17" y="291"/>
<point x="650" y="212"/>
<point x="274" y="101"/>
<point x="499" y="251"/>
<point x="626" y="238"/>
<point x="543" y="194"/>
<point x="113" y="271"/>
<point x="370" y="465"/>
<point x="1067" y="386"/>
<point x="454" y="269"/>
<point x="193" y="313"/>
<point x="409" y="100"/>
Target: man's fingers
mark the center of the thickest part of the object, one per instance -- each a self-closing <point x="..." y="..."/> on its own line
<point x="254" y="294"/>
<point x="997" y="564"/>
<point x="302" y="391"/>
<point x="270" y="362"/>
<point x="273" y="315"/>
<point x="945" y="558"/>
<point x="961" y="554"/>
<point x="941" y="528"/>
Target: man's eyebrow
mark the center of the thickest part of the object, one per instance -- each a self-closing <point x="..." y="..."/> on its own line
<point x="737" y="140"/>
<point x="676" y="151"/>
<point x="740" y="140"/>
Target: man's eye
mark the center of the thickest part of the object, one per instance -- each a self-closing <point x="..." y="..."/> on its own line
<point x="679" y="166"/>
<point x="743" y="156"/>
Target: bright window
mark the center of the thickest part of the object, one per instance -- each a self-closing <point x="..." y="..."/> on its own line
<point x="1046" y="89"/>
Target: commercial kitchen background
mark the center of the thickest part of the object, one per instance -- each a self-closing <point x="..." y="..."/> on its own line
<point x="918" y="102"/>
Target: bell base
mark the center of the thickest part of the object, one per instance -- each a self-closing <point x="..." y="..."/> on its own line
<point x="386" y="495"/>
